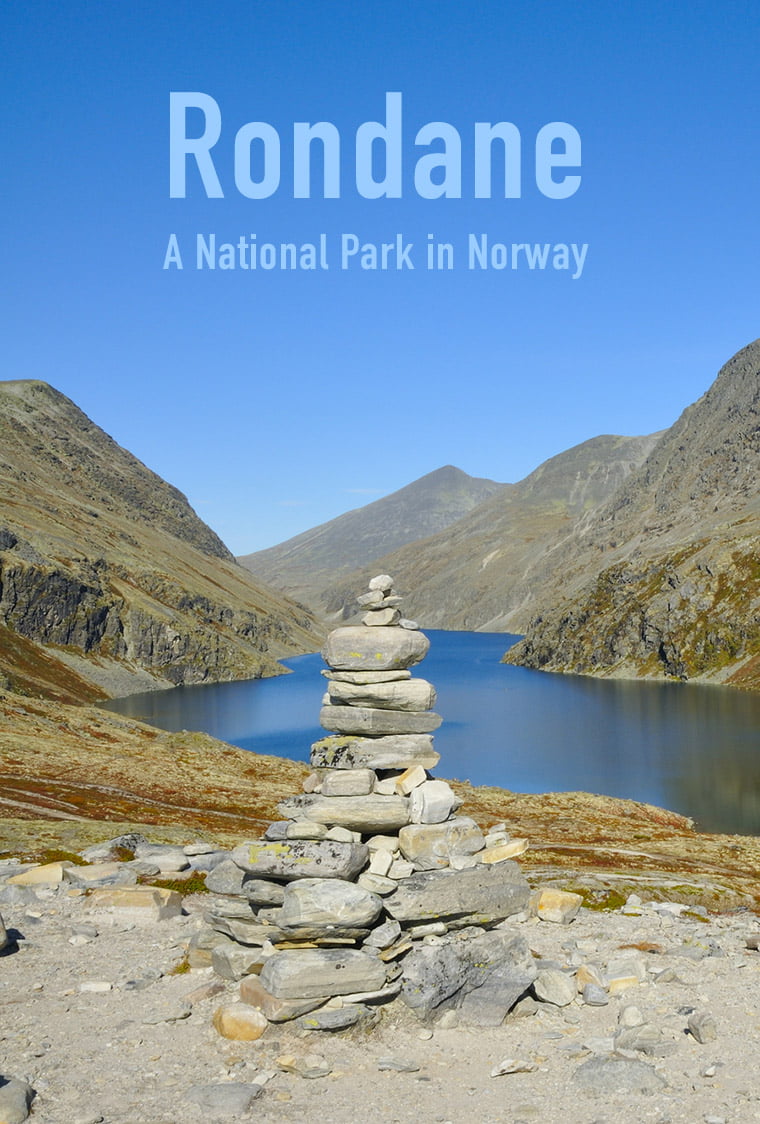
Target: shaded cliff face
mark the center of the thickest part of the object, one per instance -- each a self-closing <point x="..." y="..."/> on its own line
<point x="306" y="565"/>
<point x="664" y="579"/>
<point x="480" y="572"/>
<point x="109" y="581"/>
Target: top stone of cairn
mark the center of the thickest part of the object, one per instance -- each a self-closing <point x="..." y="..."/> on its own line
<point x="383" y="641"/>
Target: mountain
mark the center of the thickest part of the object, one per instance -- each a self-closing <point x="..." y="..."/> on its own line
<point x="480" y="572"/>
<point x="664" y="579"/>
<point x="109" y="581"/>
<point x="305" y="565"/>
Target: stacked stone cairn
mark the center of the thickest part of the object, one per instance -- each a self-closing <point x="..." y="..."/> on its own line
<point x="373" y="887"/>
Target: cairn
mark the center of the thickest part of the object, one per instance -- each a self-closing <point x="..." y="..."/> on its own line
<point x="372" y="885"/>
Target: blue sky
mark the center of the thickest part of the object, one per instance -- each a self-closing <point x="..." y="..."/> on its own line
<point x="275" y="399"/>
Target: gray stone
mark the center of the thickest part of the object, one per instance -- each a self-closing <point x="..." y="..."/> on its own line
<point x="384" y="935"/>
<point x="394" y="751"/>
<point x="377" y="883"/>
<point x="360" y="813"/>
<point x="232" y="1098"/>
<point x="372" y="720"/>
<point x="482" y="895"/>
<point x="277" y="830"/>
<point x="328" y="901"/>
<point x="301" y="858"/>
<point x="362" y="677"/>
<point x="103" y="874"/>
<point x="646" y="1039"/>
<point x="432" y="802"/>
<point x="208" y="860"/>
<point x="305" y="829"/>
<point x="383" y="582"/>
<point x="103" y="852"/>
<point x="310" y="972"/>
<point x="406" y="623"/>
<point x="483" y="975"/>
<point x="167" y="858"/>
<point x="594" y="995"/>
<point x="409" y="694"/>
<point x="249" y="932"/>
<point x="702" y="1027"/>
<point x="359" y="648"/>
<point x="17" y="895"/>
<point x="253" y="992"/>
<point x="334" y="1018"/>
<point x="229" y="878"/>
<point x="555" y="987"/>
<point x="374" y="597"/>
<point x="607" y="1076"/>
<point x="15" y="1100"/>
<point x="232" y="961"/>
<point x="431" y="846"/>
<point x="381" y="618"/>
<point x="348" y="782"/>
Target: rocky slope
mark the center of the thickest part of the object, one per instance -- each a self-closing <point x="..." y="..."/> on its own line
<point x="664" y="579"/>
<point x="304" y="566"/>
<point x="109" y="582"/>
<point x="481" y="571"/>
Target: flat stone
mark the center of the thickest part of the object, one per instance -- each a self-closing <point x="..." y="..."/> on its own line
<point x="401" y="868"/>
<point x="46" y="874"/>
<point x="240" y="1022"/>
<point x="328" y="901"/>
<point x="232" y="961"/>
<point x="594" y="995"/>
<point x="248" y="931"/>
<point x="381" y="618"/>
<point x="393" y="751"/>
<point x="559" y="906"/>
<point x="229" y="878"/>
<point x="498" y="854"/>
<point x="288" y="859"/>
<point x="343" y="835"/>
<point x="409" y="694"/>
<point x="373" y="597"/>
<point x="384" y="935"/>
<point x="15" y="1101"/>
<point x="431" y="846"/>
<point x="482" y="895"/>
<point x="153" y="902"/>
<point x="102" y="874"/>
<point x="253" y="992"/>
<point x="306" y="973"/>
<point x="609" y="1076"/>
<point x="360" y="813"/>
<point x="374" y="721"/>
<point x="409" y="779"/>
<point x="167" y="858"/>
<point x="200" y="847"/>
<point x="380" y="862"/>
<point x="555" y="987"/>
<point x="348" y="782"/>
<point x="377" y="883"/>
<point x="362" y="677"/>
<point x="359" y="648"/>
<point x="305" y="829"/>
<point x="432" y="802"/>
<point x="232" y="1098"/>
<point x="336" y="1018"/>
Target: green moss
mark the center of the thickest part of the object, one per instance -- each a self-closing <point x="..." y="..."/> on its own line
<point x="195" y="884"/>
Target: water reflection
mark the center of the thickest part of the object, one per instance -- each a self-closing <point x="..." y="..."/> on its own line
<point x="690" y="748"/>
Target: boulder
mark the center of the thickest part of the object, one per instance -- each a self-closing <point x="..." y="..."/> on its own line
<point x="288" y="859"/>
<point x="359" y="648"/>
<point x="373" y="720"/>
<point x="409" y="694"/>
<point x="394" y="751"/>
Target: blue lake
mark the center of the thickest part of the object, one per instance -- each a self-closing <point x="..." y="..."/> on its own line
<point x="690" y="748"/>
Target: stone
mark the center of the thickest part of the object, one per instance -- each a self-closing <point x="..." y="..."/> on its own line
<point x="343" y="835"/>
<point x="558" y="906"/>
<point x="311" y="783"/>
<point x="348" y="782"/>
<point x="358" y="648"/>
<point x="152" y="903"/>
<point x="482" y="895"/>
<point x="555" y="987"/>
<point x="288" y="859"/>
<point x="232" y="961"/>
<point x="630" y="1015"/>
<point x="16" y="1098"/>
<point x="588" y="974"/>
<point x="431" y="846"/>
<point x="646" y="1039"/>
<point x="373" y="720"/>
<point x="328" y="901"/>
<point x="200" y="847"/>
<point x="602" y="1076"/>
<point x="383" y="843"/>
<point x="306" y="973"/>
<point x="702" y="1027"/>
<point x="253" y="992"/>
<point x="397" y="1065"/>
<point x="373" y="597"/>
<point x="483" y="976"/>
<point x="305" y="829"/>
<point x="247" y="931"/>
<point x="167" y="858"/>
<point x="101" y="874"/>
<point x="240" y="1022"/>
<point x="594" y="996"/>
<point x="381" y="618"/>
<point x="503" y="851"/>
<point x="368" y="814"/>
<point x="310" y="1065"/>
<point x="380" y="862"/>
<point x="406" y="694"/>
<point x="383" y="582"/>
<point x="363" y="677"/>
<point x="47" y="874"/>
<point x="229" y="878"/>
<point x="432" y="802"/>
<point x="4" y="938"/>
<point x="406" y="623"/>
<point x="114" y="848"/>
<point x="277" y="830"/>
<point x="409" y="779"/>
<point x="377" y="883"/>
<point x="393" y="751"/>
<point x="383" y="935"/>
<point x="231" y="1098"/>
<point x="336" y="1018"/>
<point x="400" y="868"/>
<point x="209" y="860"/>
<point x="513" y="1065"/>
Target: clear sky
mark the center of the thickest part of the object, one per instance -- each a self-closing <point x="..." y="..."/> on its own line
<point x="277" y="399"/>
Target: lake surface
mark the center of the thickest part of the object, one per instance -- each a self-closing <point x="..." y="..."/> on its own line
<point x="690" y="748"/>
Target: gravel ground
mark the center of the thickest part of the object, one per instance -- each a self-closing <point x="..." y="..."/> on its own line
<point x="94" y="1018"/>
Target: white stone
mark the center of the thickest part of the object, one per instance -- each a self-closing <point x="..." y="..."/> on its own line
<point x="348" y="782"/>
<point x="432" y="802"/>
